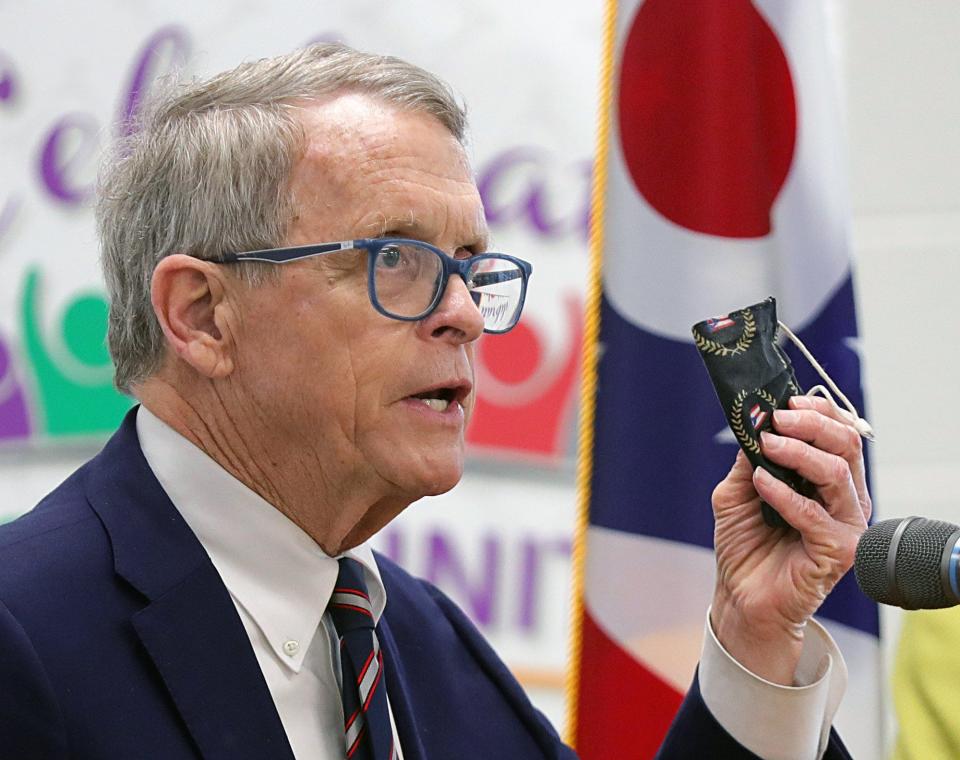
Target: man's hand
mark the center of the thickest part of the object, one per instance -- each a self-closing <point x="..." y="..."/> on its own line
<point x="770" y="581"/>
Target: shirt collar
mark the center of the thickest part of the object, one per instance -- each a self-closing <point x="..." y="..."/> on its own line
<point x="270" y="566"/>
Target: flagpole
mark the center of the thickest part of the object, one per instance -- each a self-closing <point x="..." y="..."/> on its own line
<point x="588" y="385"/>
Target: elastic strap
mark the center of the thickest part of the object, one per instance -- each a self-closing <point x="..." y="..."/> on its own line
<point x="859" y="424"/>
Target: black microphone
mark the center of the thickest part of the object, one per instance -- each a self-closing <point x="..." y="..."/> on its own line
<point x="911" y="563"/>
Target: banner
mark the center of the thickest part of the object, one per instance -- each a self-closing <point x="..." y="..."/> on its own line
<point x="63" y="99"/>
<point x="721" y="182"/>
<point x="72" y="74"/>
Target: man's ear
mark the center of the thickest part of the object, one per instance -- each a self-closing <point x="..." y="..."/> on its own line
<point x="190" y="300"/>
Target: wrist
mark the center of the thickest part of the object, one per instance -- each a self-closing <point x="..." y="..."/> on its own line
<point x="770" y="649"/>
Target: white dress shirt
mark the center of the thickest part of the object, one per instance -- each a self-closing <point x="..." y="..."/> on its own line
<point x="281" y="582"/>
<point x="773" y="721"/>
<point x="279" y="579"/>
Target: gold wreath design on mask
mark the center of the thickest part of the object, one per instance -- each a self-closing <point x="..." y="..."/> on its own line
<point x="708" y="346"/>
<point x="736" y="417"/>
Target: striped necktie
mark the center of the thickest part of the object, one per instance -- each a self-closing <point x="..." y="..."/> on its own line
<point x="367" y="729"/>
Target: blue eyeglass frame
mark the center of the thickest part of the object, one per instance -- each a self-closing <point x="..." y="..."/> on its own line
<point x="373" y="246"/>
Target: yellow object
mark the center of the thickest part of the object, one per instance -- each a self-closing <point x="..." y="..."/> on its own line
<point x="926" y="686"/>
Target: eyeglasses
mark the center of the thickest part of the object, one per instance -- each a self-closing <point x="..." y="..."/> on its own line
<point x="406" y="279"/>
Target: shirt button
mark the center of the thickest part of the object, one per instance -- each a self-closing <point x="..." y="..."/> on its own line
<point x="291" y="647"/>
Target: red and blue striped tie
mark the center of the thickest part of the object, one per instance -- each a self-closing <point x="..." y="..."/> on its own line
<point x="367" y="728"/>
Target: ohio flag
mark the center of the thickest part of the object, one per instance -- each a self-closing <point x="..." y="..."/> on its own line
<point x="720" y="181"/>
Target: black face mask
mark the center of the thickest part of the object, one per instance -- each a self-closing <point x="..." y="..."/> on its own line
<point x="752" y="376"/>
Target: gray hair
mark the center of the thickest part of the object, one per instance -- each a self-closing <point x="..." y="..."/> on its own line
<point x="205" y="171"/>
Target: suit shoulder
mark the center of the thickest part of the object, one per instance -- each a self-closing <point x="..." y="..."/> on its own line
<point x="434" y="636"/>
<point x="397" y="581"/>
<point x="426" y="608"/>
<point x="62" y="508"/>
<point x="55" y="534"/>
<point x="412" y="593"/>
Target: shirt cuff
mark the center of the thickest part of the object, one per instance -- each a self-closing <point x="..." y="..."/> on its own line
<point x="773" y="721"/>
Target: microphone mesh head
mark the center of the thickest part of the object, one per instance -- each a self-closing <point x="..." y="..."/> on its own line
<point x="917" y="583"/>
<point x="918" y="564"/>
<point x="870" y="564"/>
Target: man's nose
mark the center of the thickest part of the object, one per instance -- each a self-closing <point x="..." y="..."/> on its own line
<point x="456" y="317"/>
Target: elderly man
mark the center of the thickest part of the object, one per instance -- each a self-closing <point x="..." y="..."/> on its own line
<point x="297" y="261"/>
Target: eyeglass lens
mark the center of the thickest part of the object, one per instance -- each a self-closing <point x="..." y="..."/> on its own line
<point x="496" y="287"/>
<point x="407" y="279"/>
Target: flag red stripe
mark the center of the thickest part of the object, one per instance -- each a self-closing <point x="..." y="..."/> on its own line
<point x="625" y="710"/>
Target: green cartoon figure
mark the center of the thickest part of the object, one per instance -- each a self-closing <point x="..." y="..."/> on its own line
<point x="72" y="372"/>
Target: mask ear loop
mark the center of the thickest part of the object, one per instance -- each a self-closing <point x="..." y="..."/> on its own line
<point x="859" y="424"/>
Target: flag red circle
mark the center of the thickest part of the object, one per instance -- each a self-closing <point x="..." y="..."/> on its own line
<point x="707" y="114"/>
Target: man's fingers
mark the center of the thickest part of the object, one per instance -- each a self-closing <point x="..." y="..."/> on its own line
<point x="828" y="428"/>
<point x="824" y="406"/>
<point x="737" y="487"/>
<point x="829" y="472"/>
<point x="742" y="469"/>
<point x="825" y="433"/>
<point x="827" y="539"/>
<point x="822" y="430"/>
<point x="802" y="513"/>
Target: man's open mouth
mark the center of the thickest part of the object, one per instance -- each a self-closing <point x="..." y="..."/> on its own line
<point x="437" y="399"/>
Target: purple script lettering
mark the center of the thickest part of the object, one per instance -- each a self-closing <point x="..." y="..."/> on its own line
<point x="72" y="140"/>
<point x="515" y="187"/>
<point x="165" y="50"/>
<point x="531" y="563"/>
<point x="435" y="555"/>
<point x="8" y="80"/>
<point x="8" y="92"/>
<point x="68" y="147"/>
<point x="14" y="417"/>
<point x="392" y="545"/>
<point x="445" y="568"/>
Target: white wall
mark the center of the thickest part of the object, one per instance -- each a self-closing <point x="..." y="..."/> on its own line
<point x="902" y="64"/>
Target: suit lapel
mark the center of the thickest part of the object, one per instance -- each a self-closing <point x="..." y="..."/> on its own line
<point x="190" y="628"/>
<point x="199" y="646"/>
<point x="400" y="703"/>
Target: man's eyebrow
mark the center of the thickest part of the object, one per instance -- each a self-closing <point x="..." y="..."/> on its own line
<point x="411" y="227"/>
<point x="397" y="226"/>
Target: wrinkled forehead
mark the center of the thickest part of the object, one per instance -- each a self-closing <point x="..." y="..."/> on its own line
<point x="371" y="168"/>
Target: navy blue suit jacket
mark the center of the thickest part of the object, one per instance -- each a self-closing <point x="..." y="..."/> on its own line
<point x="119" y="640"/>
